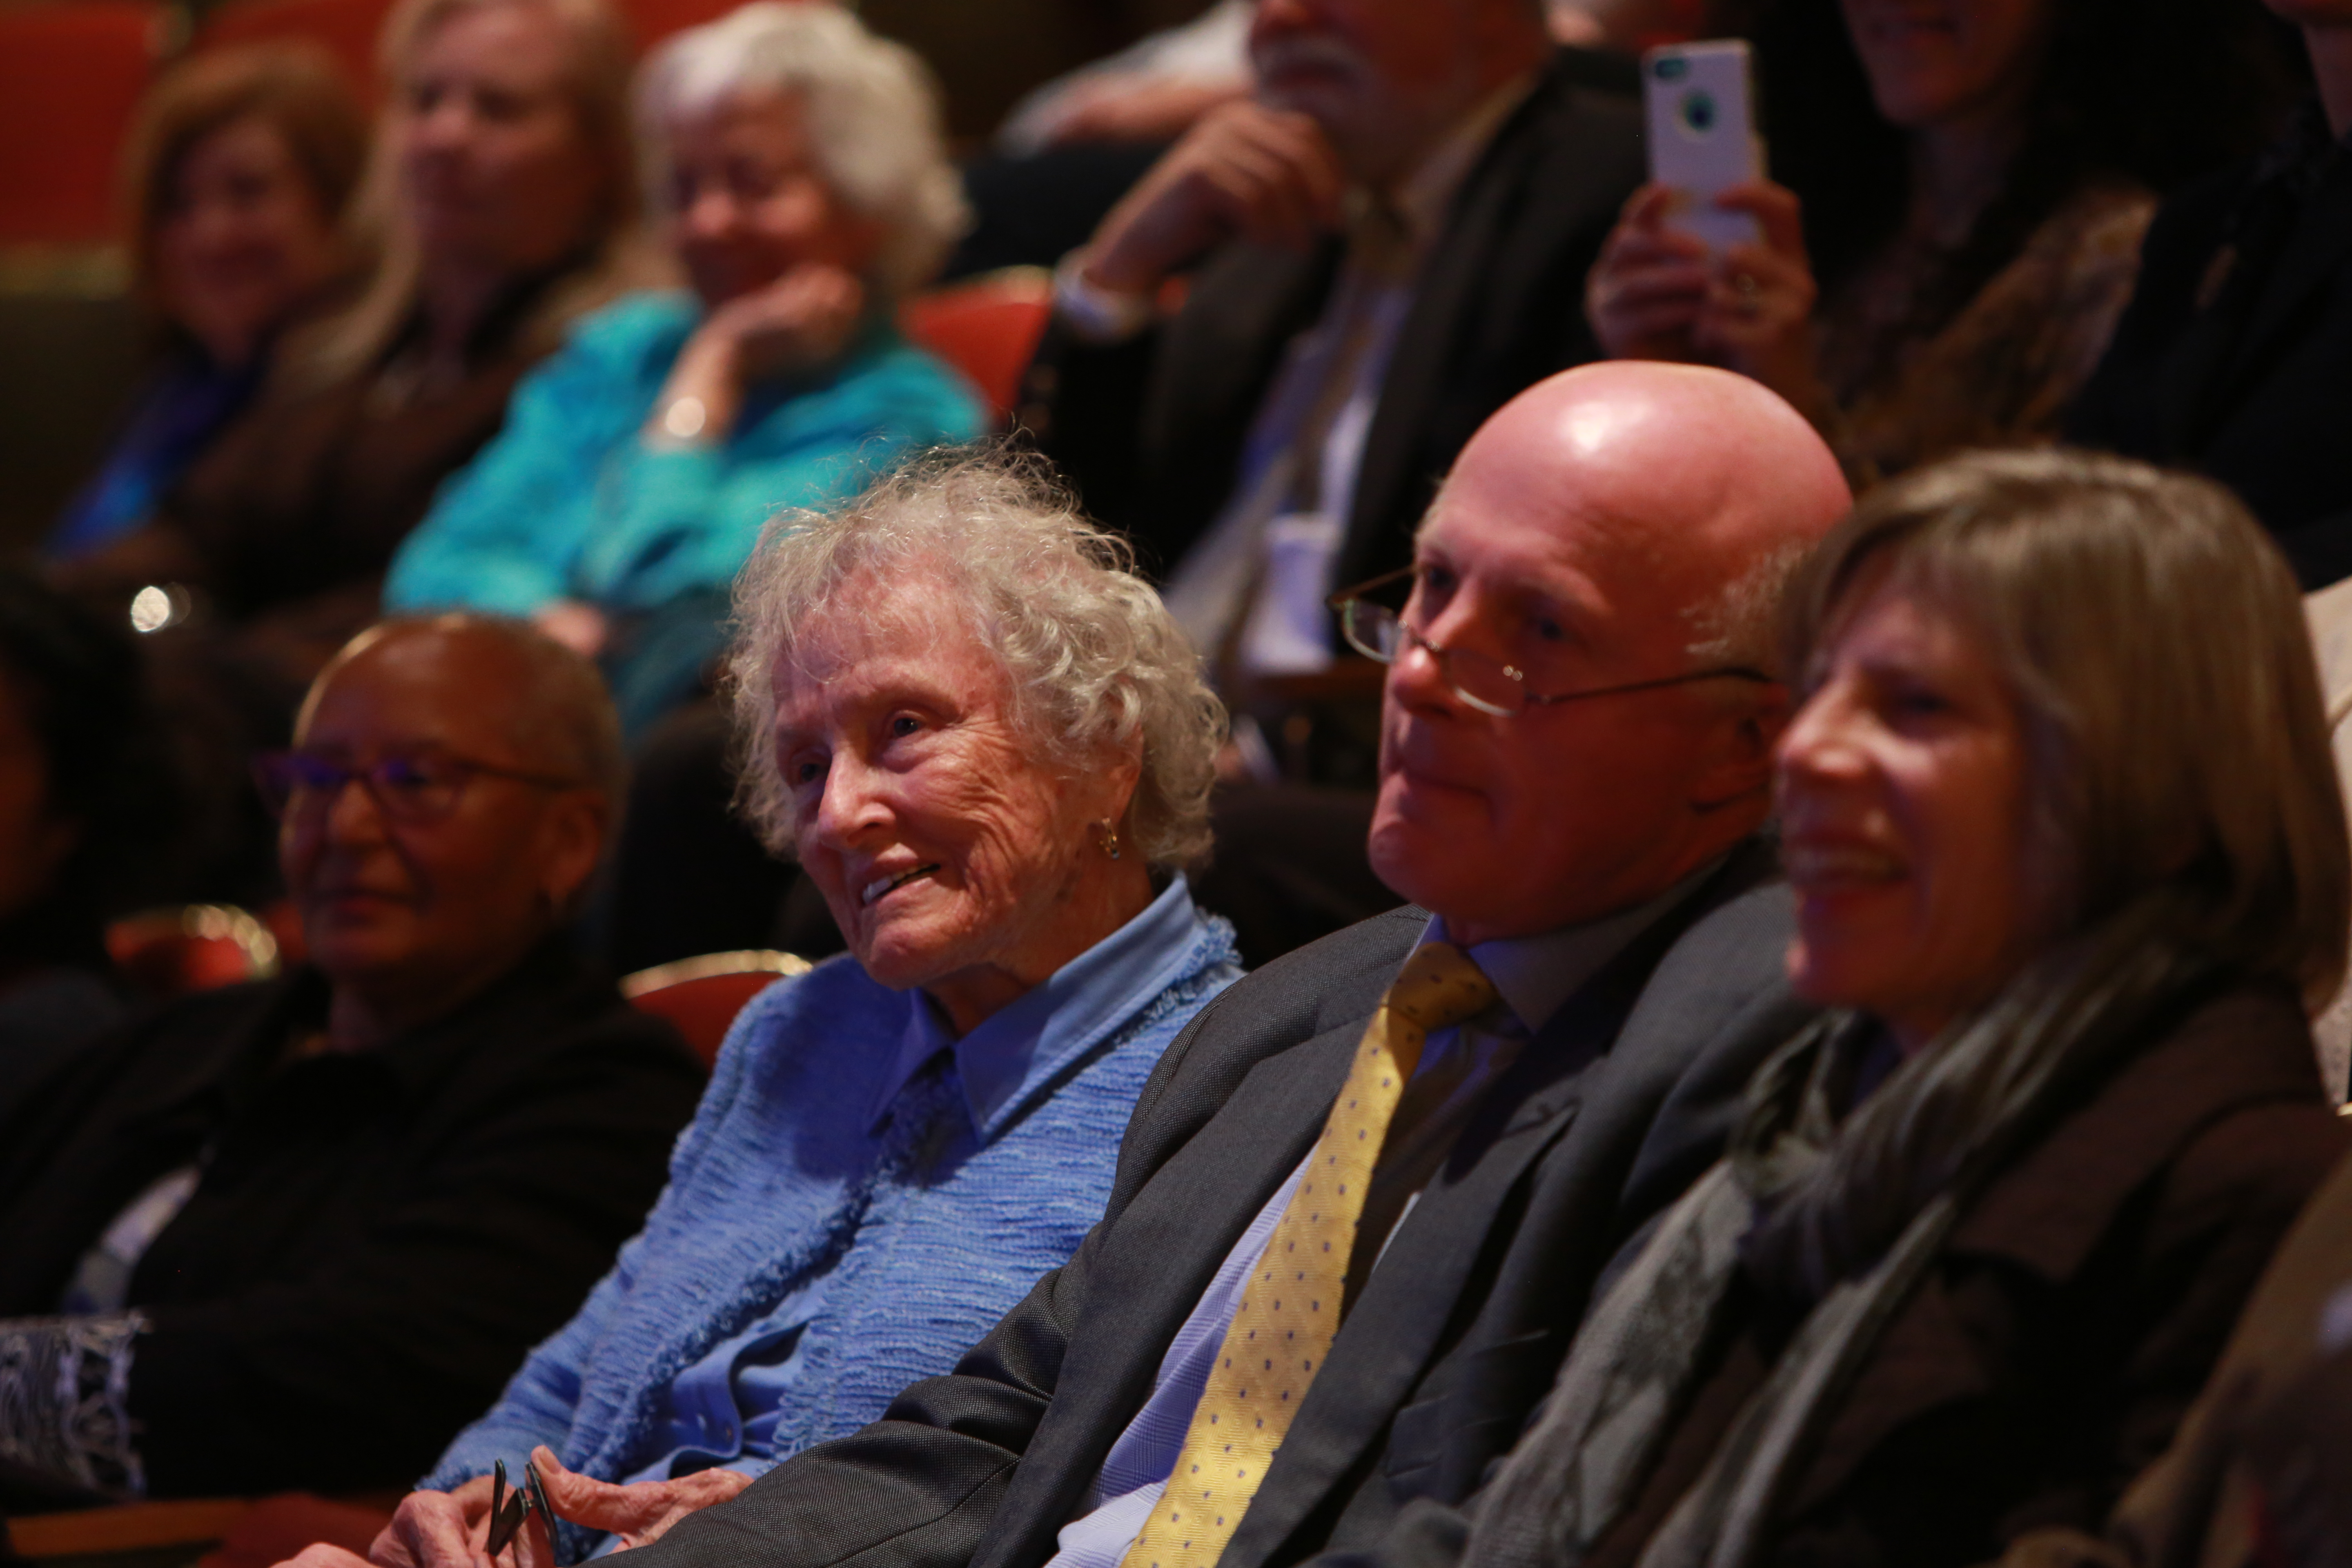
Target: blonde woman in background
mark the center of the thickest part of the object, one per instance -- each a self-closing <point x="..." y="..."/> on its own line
<point x="501" y="203"/>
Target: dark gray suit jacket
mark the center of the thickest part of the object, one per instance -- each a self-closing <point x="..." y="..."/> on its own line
<point x="1151" y="431"/>
<point x="1457" y="1334"/>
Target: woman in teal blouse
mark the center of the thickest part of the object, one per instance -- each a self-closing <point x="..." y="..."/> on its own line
<point x="808" y="190"/>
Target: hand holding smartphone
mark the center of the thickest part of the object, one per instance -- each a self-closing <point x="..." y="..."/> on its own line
<point x="1702" y="135"/>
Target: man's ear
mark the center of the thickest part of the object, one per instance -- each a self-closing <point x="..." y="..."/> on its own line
<point x="573" y="836"/>
<point x="1745" y="730"/>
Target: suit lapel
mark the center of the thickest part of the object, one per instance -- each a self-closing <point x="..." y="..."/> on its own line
<point x="1170" y="1242"/>
<point x="1393" y="1334"/>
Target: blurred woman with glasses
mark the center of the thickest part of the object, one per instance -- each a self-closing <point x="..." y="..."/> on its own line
<point x="293" y="1234"/>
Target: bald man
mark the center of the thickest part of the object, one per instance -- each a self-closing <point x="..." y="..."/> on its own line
<point x="300" y="1231"/>
<point x="1432" y="1128"/>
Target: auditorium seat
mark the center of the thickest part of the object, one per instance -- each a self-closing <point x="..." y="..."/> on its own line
<point x="701" y="995"/>
<point x="177" y="951"/>
<point x="71" y="73"/>
<point x="987" y="327"/>
<point x="346" y="29"/>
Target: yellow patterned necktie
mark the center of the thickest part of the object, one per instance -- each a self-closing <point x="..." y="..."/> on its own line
<point x="1290" y="1305"/>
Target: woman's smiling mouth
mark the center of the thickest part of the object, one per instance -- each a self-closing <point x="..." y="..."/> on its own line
<point x="881" y="885"/>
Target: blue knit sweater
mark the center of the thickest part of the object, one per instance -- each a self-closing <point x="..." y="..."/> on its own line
<point x="909" y="1244"/>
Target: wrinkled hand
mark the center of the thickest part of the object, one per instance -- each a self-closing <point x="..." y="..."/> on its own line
<point x="1244" y="170"/>
<point x="429" y="1530"/>
<point x="803" y="318"/>
<point x="639" y="1512"/>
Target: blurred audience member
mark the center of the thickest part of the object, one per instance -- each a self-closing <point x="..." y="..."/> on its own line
<point x="295" y="1234"/>
<point x="1383" y="247"/>
<point x="1974" y="179"/>
<point x="2232" y="358"/>
<point x="1374" y="254"/>
<point x="502" y="203"/>
<point x="85" y="811"/>
<point x="991" y="749"/>
<point x="808" y="186"/>
<point x="236" y="177"/>
<point x="2069" y="858"/>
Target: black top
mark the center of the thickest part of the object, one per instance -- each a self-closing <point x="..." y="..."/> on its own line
<point x="377" y="1238"/>
<point x="2234" y="357"/>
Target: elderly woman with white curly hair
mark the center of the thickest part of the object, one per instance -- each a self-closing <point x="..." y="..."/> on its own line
<point x="805" y="178"/>
<point x="991" y="748"/>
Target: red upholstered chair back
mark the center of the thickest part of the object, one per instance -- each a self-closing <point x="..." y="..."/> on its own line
<point x="177" y="952"/>
<point x="346" y="29"/>
<point x="701" y="995"/>
<point x="70" y="77"/>
<point x="987" y="327"/>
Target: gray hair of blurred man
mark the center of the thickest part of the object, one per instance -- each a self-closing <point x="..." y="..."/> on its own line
<point x="563" y="718"/>
<point x="873" y="110"/>
<point x="1092" y="658"/>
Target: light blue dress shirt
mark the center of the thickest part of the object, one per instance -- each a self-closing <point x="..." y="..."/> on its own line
<point x="1535" y="976"/>
<point x="723" y="1409"/>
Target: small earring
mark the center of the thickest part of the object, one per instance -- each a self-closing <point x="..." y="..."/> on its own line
<point x="1108" y="836"/>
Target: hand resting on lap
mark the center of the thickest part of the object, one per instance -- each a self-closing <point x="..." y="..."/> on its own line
<point x="448" y="1529"/>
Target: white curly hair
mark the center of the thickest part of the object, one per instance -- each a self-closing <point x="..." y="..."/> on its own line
<point x="873" y="110"/>
<point x="1094" y="660"/>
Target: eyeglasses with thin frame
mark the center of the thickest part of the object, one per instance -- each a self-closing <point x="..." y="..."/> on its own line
<point x="1488" y="685"/>
<point x="413" y="788"/>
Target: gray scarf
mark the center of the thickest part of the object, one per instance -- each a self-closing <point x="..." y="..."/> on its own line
<point x="1846" y="1218"/>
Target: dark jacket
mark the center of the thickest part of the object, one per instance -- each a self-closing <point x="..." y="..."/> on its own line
<point x="2078" y="1308"/>
<point x="1151" y="431"/>
<point x="1456" y="1334"/>
<point x="2234" y="357"/>
<point x="377" y="1238"/>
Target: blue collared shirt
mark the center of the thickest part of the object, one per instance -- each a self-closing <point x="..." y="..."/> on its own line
<point x="1535" y="978"/>
<point x="724" y="1408"/>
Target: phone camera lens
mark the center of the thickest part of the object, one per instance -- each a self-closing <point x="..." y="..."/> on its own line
<point x="1699" y="112"/>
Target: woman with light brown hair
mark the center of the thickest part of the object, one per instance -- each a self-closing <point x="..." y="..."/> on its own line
<point x="501" y="203"/>
<point x="2069" y="862"/>
<point x="238" y="172"/>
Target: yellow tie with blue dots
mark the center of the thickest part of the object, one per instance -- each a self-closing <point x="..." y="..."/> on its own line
<point x="1290" y="1305"/>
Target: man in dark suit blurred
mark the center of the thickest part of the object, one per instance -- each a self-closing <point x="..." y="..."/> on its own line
<point x="1381" y="247"/>
<point x="1389" y="1166"/>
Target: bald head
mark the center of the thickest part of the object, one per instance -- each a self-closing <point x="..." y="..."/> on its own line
<point x="1700" y="481"/>
<point x="453" y="783"/>
<point x="546" y="707"/>
<point x="1617" y="535"/>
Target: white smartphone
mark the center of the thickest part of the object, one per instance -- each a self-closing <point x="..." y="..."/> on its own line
<point x="1702" y="133"/>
